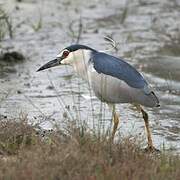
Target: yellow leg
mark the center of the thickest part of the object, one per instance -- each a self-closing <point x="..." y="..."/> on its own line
<point x="150" y="146"/>
<point x="115" y="122"/>
<point x="148" y="131"/>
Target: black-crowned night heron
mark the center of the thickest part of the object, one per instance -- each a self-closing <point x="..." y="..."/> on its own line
<point x="112" y="79"/>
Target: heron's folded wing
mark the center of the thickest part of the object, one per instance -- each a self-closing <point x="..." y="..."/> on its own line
<point x="110" y="65"/>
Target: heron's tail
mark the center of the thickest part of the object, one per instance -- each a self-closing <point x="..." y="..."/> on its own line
<point x="154" y="98"/>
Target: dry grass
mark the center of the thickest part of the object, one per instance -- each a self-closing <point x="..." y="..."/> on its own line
<point x="5" y="24"/>
<point x="77" y="156"/>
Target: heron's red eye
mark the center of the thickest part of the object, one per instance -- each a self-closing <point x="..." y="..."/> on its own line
<point x="65" y="53"/>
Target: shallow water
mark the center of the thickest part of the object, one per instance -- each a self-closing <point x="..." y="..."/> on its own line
<point x="147" y="35"/>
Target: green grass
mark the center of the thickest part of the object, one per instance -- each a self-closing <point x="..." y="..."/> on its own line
<point x="25" y="154"/>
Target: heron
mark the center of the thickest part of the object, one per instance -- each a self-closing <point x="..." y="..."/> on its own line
<point x="112" y="79"/>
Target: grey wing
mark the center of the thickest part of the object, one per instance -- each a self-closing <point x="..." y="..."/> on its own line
<point x="110" y="65"/>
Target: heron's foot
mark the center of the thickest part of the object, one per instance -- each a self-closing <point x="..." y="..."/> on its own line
<point x="151" y="149"/>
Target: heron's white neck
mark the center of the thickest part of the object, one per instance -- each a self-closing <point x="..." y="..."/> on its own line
<point x="80" y="62"/>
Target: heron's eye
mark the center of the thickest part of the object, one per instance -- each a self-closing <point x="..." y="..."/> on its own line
<point x="65" y="53"/>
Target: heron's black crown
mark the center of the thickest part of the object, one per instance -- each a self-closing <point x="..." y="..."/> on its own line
<point x="76" y="47"/>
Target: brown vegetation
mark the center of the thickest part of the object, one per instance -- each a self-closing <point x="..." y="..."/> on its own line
<point x="5" y="24"/>
<point x="25" y="154"/>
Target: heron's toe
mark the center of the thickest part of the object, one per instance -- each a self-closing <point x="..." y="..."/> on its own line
<point x="151" y="149"/>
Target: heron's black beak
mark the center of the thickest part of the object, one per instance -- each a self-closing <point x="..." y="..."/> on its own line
<point x="50" y="64"/>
